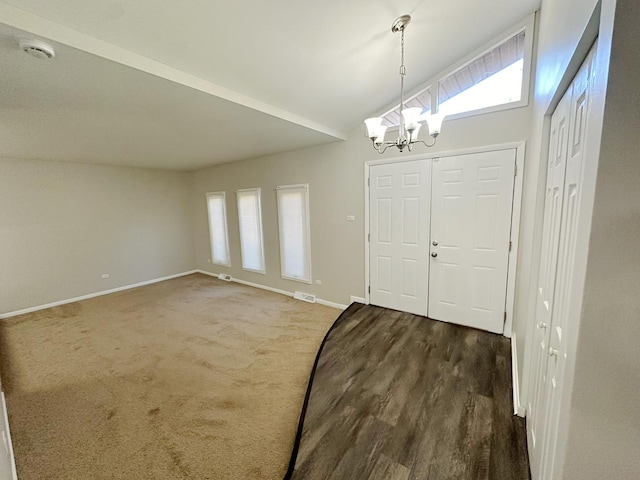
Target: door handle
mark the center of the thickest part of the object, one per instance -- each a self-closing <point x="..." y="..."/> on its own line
<point x="553" y="353"/>
<point x="435" y="243"/>
<point x="542" y="326"/>
<point x="434" y="254"/>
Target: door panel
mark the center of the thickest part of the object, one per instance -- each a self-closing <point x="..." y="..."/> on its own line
<point x="555" y="284"/>
<point x="472" y="198"/>
<point x="554" y="192"/>
<point x="399" y="223"/>
<point x="560" y="314"/>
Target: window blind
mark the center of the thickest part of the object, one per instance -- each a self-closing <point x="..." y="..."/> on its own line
<point x="217" y="208"/>
<point x="250" y="222"/>
<point x="293" y="221"/>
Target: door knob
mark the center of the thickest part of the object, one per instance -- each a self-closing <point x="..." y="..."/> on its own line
<point x="434" y="254"/>
<point x="435" y="243"/>
<point x="542" y="326"/>
<point x="553" y="353"/>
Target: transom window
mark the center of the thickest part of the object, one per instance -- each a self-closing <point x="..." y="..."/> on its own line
<point x="493" y="80"/>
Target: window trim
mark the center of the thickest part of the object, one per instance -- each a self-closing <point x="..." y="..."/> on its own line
<point x="528" y="26"/>
<point x="258" y="192"/>
<point x="305" y="186"/>
<point x="223" y="196"/>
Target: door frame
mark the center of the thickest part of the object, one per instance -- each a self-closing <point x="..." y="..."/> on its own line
<point x="515" y="213"/>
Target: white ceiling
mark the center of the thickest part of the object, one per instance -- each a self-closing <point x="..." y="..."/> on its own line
<point x="160" y="83"/>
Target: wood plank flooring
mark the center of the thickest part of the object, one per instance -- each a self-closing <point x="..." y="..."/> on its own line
<point x="399" y="396"/>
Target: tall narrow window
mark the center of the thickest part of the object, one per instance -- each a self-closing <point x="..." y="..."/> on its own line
<point x="217" y="208"/>
<point x="293" y="219"/>
<point x="250" y="221"/>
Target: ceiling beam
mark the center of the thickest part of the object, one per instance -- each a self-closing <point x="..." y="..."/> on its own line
<point x="42" y="27"/>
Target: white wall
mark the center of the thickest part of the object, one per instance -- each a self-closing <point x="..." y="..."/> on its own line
<point x="604" y="424"/>
<point x="335" y="174"/>
<point x="62" y="225"/>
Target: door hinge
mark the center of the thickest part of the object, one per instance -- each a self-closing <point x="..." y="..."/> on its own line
<point x="515" y="170"/>
<point x="505" y="317"/>
<point x="369" y="289"/>
<point x="369" y="182"/>
<point x="510" y="245"/>
<point x="368" y="237"/>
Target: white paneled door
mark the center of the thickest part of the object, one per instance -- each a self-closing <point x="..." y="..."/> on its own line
<point x="554" y="320"/>
<point x="554" y="190"/>
<point x="472" y="197"/>
<point x="399" y="235"/>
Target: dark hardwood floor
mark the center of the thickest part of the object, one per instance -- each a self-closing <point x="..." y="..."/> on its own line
<point x="399" y="396"/>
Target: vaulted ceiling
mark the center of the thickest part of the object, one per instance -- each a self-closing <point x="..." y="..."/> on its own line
<point x="182" y="85"/>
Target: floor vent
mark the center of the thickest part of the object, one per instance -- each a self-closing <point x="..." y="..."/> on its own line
<point x="305" y="297"/>
<point x="224" y="276"/>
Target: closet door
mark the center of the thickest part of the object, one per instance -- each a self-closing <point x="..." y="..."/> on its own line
<point x="554" y="193"/>
<point x="554" y="317"/>
<point x="572" y="201"/>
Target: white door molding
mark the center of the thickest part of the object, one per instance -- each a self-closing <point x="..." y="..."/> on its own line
<point x="515" y="220"/>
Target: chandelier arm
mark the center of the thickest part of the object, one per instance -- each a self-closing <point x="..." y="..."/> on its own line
<point x="425" y="143"/>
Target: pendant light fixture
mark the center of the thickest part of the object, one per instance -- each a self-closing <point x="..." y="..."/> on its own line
<point x="410" y="118"/>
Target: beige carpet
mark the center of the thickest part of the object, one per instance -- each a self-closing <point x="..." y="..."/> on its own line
<point x="192" y="378"/>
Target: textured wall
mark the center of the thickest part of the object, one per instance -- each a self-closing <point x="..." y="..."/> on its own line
<point x="62" y="225"/>
<point x="335" y="174"/>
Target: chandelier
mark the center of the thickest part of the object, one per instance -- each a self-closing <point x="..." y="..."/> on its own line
<point x="410" y="118"/>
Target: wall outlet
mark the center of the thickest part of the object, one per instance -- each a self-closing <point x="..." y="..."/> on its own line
<point x="351" y="218"/>
<point x="105" y="275"/>
<point x="318" y="282"/>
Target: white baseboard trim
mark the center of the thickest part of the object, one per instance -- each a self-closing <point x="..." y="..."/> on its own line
<point x="518" y="409"/>
<point x="327" y="303"/>
<point x="92" y="295"/>
<point x="275" y="290"/>
<point x="353" y="298"/>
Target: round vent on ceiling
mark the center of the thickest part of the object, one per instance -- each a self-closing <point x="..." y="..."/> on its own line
<point x="37" y="49"/>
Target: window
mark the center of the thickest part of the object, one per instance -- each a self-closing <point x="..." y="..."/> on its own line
<point x="250" y="221"/>
<point x="293" y="221"/>
<point x="422" y="100"/>
<point x="217" y="208"/>
<point x="494" y="78"/>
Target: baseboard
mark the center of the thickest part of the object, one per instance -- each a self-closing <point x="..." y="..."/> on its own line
<point x="353" y="299"/>
<point x="327" y="303"/>
<point x="518" y="409"/>
<point x="275" y="290"/>
<point x="92" y="295"/>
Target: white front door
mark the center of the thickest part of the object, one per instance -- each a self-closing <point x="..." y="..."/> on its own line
<point x="472" y="197"/>
<point x="399" y="229"/>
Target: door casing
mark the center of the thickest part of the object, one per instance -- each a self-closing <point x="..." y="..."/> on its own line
<point x="515" y="218"/>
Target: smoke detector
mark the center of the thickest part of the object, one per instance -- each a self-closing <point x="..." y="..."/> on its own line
<point x="37" y="49"/>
